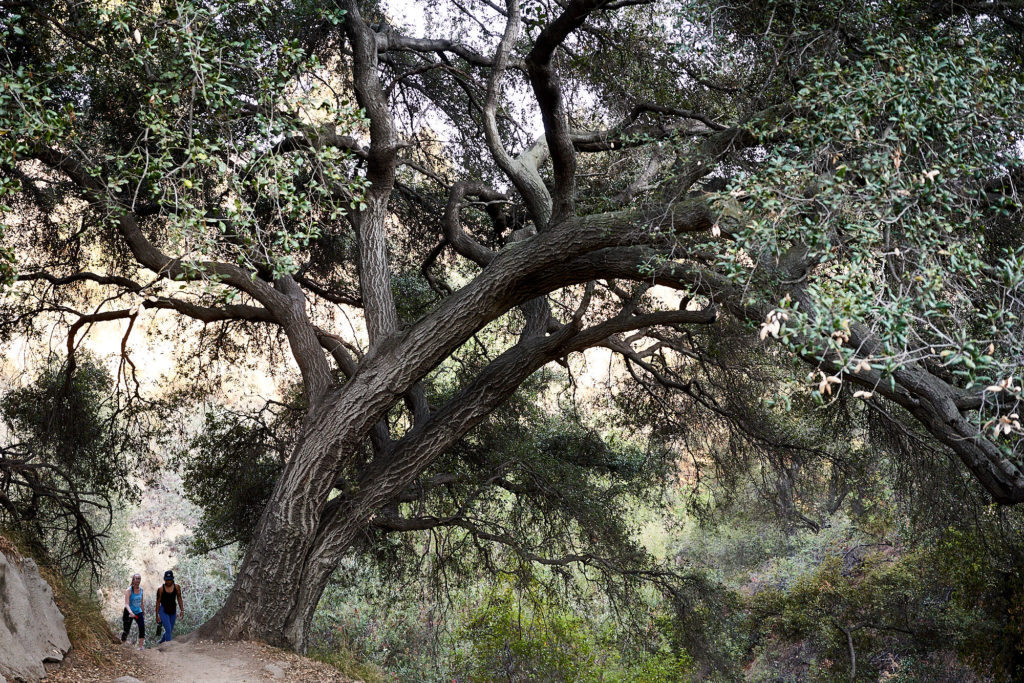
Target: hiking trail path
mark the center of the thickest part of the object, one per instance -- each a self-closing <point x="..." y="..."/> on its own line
<point x="199" y="661"/>
<point x="196" y="661"/>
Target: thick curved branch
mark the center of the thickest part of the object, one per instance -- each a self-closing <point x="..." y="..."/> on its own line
<point x="525" y="177"/>
<point x="501" y="378"/>
<point x="390" y="40"/>
<point x="548" y="91"/>
<point x="144" y="251"/>
<point x="371" y="223"/>
<point x="84" y="276"/>
<point x="304" y="342"/>
<point x="462" y="242"/>
<point x="212" y="314"/>
<point x="286" y="306"/>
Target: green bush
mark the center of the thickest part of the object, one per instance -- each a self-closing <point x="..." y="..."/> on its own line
<point x="522" y="636"/>
<point x="905" y="613"/>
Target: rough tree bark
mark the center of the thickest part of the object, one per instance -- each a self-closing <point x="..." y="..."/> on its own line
<point x="268" y="583"/>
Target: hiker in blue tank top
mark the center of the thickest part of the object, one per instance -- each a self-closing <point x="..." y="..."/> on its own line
<point x="166" y="609"/>
<point x="133" y="611"/>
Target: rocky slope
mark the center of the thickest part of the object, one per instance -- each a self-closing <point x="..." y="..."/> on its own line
<point x="31" y="627"/>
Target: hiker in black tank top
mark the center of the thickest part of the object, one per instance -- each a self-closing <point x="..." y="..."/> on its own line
<point x="166" y="609"/>
<point x="167" y="599"/>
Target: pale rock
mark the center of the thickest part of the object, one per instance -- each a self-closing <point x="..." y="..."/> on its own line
<point x="31" y="627"/>
<point x="274" y="671"/>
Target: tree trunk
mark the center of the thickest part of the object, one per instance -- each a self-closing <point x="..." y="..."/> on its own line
<point x="264" y="589"/>
<point x="265" y="601"/>
<point x="298" y="544"/>
<point x="313" y="582"/>
<point x="393" y="471"/>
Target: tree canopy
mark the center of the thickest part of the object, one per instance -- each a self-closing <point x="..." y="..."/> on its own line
<point x="788" y="220"/>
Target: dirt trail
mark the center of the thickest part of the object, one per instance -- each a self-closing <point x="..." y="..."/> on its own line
<point x="194" y="662"/>
<point x="199" y="661"/>
<point x="230" y="662"/>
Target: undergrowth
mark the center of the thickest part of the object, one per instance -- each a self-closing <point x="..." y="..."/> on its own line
<point x="343" y="658"/>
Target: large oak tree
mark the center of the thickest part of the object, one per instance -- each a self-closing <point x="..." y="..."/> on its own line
<point x="841" y="179"/>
